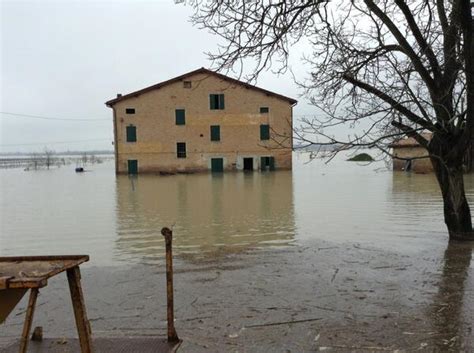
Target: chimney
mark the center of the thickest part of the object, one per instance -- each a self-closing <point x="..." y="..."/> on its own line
<point x="119" y="95"/>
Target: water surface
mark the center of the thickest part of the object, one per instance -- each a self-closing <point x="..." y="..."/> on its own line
<point x="117" y="219"/>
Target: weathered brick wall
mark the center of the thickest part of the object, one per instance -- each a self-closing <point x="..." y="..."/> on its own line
<point x="157" y="132"/>
<point x="418" y="165"/>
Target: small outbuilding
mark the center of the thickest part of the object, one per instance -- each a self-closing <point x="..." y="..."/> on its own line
<point x="410" y="156"/>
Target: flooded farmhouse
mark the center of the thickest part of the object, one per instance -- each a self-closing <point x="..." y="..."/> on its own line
<point x="202" y="121"/>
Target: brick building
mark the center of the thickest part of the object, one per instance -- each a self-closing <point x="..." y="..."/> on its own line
<point x="202" y="121"/>
<point x="410" y="156"/>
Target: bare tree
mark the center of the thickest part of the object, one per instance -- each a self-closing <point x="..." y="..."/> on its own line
<point x="84" y="158"/>
<point x="393" y="67"/>
<point x="35" y="160"/>
<point x="48" y="157"/>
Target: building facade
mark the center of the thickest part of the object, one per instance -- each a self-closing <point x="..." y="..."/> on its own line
<point x="410" y="156"/>
<point x="202" y="121"/>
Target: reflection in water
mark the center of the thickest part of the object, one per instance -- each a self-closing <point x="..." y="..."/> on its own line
<point x="449" y="314"/>
<point x="58" y="212"/>
<point x="351" y="202"/>
<point x="209" y="213"/>
<point x="96" y="213"/>
<point x="416" y="203"/>
<point x="416" y="185"/>
<point x="421" y="193"/>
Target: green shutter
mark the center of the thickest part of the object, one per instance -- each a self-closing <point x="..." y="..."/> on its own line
<point x="264" y="163"/>
<point x="272" y="163"/>
<point x="264" y="132"/>
<point x="267" y="163"/>
<point x="217" y="165"/>
<point x="213" y="101"/>
<point x="180" y="116"/>
<point x="131" y="133"/>
<point x="216" y="102"/>
<point x="215" y="133"/>
<point x="221" y="101"/>
<point x="132" y="166"/>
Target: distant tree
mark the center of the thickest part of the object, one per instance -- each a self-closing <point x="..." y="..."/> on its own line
<point x="35" y="160"/>
<point x="393" y="67"/>
<point x="94" y="159"/>
<point x="84" y="158"/>
<point x="48" y="157"/>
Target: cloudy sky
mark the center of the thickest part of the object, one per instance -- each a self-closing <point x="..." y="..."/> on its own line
<point x="64" y="59"/>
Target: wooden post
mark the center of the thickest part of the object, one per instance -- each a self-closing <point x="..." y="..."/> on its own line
<point x="168" y="234"/>
<point x="82" y="323"/>
<point x="28" y="320"/>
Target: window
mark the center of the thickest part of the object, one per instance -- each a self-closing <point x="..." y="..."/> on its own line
<point x="215" y="133"/>
<point x="264" y="110"/>
<point x="216" y="101"/>
<point x="129" y="110"/>
<point x="131" y="133"/>
<point x="187" y="84"/>
<point x="181" y="150"/>
<point x="180" y="116"/>
<point x="264" y="132"/>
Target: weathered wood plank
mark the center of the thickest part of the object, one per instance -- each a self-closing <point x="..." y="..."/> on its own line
<point x="79" y="306"/>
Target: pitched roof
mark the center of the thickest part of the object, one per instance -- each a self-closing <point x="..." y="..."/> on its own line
<point x="410" y="141"/>
<point x="202" y="70"/>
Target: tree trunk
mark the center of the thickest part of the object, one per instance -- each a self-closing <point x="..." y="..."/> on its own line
<point x="457" y="214"/>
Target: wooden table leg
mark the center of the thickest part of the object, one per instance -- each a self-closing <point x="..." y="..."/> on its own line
<point x="28" y="320"/>
<point x="82" y="323"/>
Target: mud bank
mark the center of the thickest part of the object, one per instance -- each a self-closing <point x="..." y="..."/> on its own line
<point x="301" y="298"/>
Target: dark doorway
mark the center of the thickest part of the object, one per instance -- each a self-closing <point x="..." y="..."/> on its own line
<point x="217" y="165"/>
<point x="248" y="164"/>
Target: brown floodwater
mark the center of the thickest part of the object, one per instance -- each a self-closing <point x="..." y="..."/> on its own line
<point x="117" y="219"/>
<point x="339" y="257"/>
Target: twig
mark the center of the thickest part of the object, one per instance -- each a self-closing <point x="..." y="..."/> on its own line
<point x="357" y="246"/>
<point x="334" y="275"/>
<point x="24" y="310"/>
<point x="197" y="318"/>
<point x="283" y="322"/>
<point x="360" y="347"/>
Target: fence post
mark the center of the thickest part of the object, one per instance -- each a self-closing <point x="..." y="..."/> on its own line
<point x="168" y="234"/>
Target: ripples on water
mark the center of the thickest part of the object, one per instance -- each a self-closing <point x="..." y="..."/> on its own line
<point x="118" y="219"/>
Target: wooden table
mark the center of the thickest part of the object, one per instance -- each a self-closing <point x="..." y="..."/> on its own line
<point x="20" y="274"/>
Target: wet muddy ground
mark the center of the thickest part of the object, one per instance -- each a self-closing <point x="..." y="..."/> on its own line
<point x="302" y="298"/>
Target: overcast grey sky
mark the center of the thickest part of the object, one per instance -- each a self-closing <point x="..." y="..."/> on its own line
<point x="64" y="59"/>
